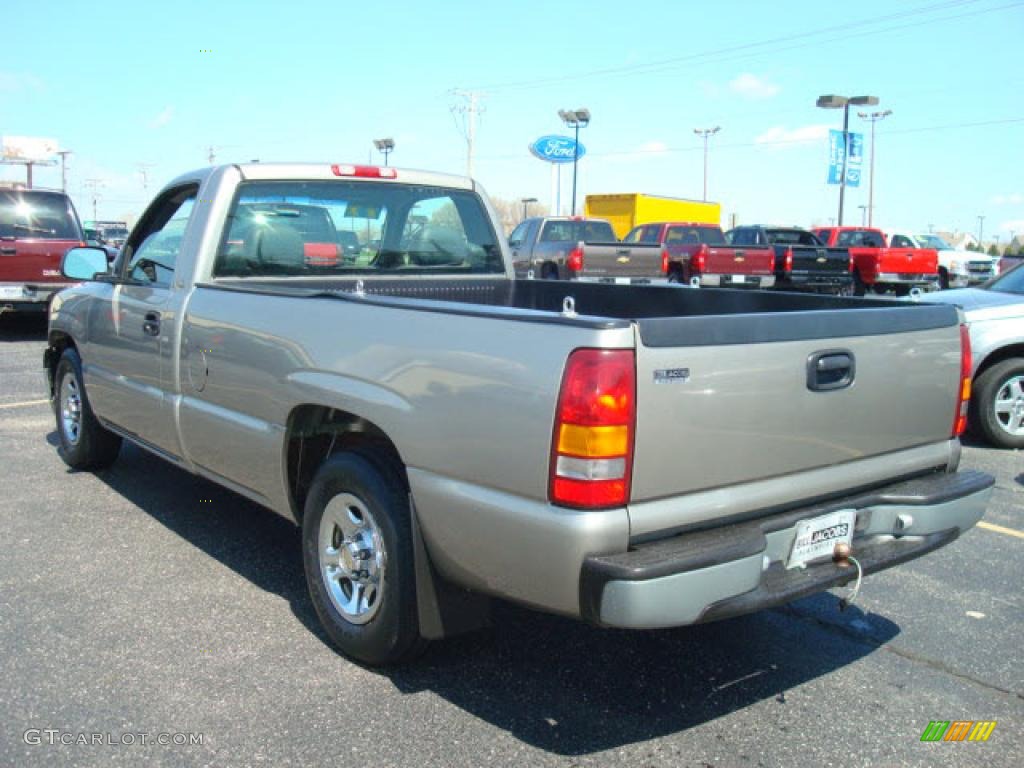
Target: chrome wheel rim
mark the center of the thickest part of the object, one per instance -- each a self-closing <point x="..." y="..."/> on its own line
<point x="1009" y="406"/>
<point x="70" y="408"/>
<point x="352" y="558"/>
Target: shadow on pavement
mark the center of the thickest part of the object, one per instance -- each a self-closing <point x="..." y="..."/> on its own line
<point x="552" y="682"/>
<point x="22" y="326"/>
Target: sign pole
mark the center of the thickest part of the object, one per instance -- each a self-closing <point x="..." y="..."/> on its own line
<point x="846" y="152"/>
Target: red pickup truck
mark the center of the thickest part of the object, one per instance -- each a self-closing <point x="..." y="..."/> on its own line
<point x="877" y="266"/>
<point x="36" y="228"/>
<point x="700" y="255"/>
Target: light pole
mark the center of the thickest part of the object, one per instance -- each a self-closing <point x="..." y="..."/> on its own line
<point x="981" y="229"/>
<point x="63" y="169"/>
<point x="864" y="213"/>
<point x="832" y="101"/>
<point x="874" y="117"/>
<point x="706" y="132"/>
<point x="526" y="202"/>
<point x="386" y="146"/>
<point x="575" y="118"/>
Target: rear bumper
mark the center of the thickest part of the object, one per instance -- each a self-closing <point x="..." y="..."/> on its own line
<point x="731" y="281"/>
<point x="898" y="278"/>
<point x="798" y="282"/>
<point x="740" y="568"/>
<point x="28" y="296"/>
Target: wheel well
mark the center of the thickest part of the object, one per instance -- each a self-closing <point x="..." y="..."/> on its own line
<point x="998" y="355"/>
<point x="316" y="432"/>
<point x="58" y="342"/>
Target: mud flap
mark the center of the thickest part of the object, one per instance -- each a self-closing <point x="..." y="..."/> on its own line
<point x="444" y="609"/>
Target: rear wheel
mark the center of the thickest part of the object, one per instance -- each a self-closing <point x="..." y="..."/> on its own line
<point x="358" y="556"/>
<point x="859" y="287"/>
<point x="943" y="278"/>
<point x="902" y="290"/>
<point x="549" y="272"/>
<point x="997" y="407"/>
<point x="84" y="443"/>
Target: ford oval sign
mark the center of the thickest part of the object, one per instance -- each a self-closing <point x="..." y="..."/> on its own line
<point x="556" y="149"/>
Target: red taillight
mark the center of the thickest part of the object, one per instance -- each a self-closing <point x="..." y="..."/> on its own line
<point x="575" y="258"/>
<point x="787" y="262"/>
<point x="365" y="171"/>
<point x="851" y="263"/>
<point x="592" y="444"/>
<point x="771" y="262"/>
<point x="699" y="262"/>
<point x="664" y="261"/>
<point x="964" y="395"/>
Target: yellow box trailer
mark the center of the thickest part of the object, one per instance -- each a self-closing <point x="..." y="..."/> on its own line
<point x="626" y="211"/>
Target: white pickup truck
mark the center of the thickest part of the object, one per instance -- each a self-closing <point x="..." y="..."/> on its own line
<point x="635" y="456"/>
<point x="957" y="268"/>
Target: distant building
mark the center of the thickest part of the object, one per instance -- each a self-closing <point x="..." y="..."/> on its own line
<point x="959" y="239"/>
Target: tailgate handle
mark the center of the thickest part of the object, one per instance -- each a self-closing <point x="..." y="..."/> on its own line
<point x="8" y="249"/>
<point x="830" y="369"/>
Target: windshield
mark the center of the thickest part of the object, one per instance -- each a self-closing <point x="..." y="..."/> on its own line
<point x="30" y="214"/>
<point x="1011" y="282"/>
<point x="569" y="231"/>
<point x="694" y="236"/>
<point x="279" y="228"/>
<point x="936" y="242"/>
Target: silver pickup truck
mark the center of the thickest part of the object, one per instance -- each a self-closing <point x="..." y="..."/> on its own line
<point x="635" y="456"/>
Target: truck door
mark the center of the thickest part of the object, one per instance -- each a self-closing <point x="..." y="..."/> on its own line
<point x="129" y="358"/>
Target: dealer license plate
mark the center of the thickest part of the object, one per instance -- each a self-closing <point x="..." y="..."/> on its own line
<point x="817" y="538"/>
<point x="11" y="292"/>
<point x="739" y="278"/>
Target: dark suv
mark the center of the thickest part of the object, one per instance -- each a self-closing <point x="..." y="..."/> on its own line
<point x="36" y="228"/>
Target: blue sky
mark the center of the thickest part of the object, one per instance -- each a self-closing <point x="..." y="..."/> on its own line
<point x="130" y="84"/>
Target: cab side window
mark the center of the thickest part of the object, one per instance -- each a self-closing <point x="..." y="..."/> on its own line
<point x="153" y="249"/>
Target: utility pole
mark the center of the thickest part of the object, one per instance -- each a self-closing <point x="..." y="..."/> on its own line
<point x="706" y="132"/>
<point x="981" y="229"/>
<point x="94" y="185"/>
<point x="211" y="156"/>
<point x="874" y="117"/>
<point x="469" y="109"/>
<point x="63" y="169"/>
<point x="144" y="172"/>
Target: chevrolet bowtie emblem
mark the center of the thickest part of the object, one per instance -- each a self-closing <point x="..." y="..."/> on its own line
<point x="623" y="259"/>
<point x="822" y="259"/>
<point x="738" y="258"/>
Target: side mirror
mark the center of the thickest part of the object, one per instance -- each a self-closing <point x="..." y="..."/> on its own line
<point x="84" y="263"/>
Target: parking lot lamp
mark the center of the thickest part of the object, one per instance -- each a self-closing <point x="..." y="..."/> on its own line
<point x="832" y="101"/>
<point x="526" y="202"/>
<point x="575" y="118"/>
<point x="706" y="132"/>
<point x="874" y="117"/>
<point x="386" y="146"/>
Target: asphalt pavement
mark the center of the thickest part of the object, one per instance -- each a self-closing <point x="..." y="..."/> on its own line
<point x="142" y="605"/>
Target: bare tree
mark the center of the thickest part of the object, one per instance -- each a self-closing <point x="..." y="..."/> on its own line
<point x="510" y="212"/>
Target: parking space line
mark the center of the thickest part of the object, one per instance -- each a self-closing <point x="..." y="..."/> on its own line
<point x="24" y="404"/>
<point x="1001" y="529"/>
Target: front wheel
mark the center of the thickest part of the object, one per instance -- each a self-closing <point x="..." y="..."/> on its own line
<point x="84" y="443"/>
<point x="997" y="408"/>
<point x="357" y="551"/>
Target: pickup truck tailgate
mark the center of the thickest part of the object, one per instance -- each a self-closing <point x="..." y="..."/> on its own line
<point x="621" y="260"/>
<point x="725" y="400"/>
<point x="917" y="261"/>
<point x="740" y="261"/>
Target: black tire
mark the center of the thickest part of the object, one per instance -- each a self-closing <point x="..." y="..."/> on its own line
<point x="943" y="279"/>
<point x="391" y="635"/>
<point x="859" y="287"/>
<point x="902" y="290"/>
<point x="675" y="275"/>
<point x="987" y="387"/>
<point x="83" y="444"/>
<point x="549" y="272"/>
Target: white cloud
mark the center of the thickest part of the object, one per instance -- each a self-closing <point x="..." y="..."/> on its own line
<point x="802" y="135"/>
<point x="1013" y="199"/>
<point x="163" y="118"/>
<point x="652" y="148"/>
<point x="12" y="82"/>
<point x="753" y="87"/>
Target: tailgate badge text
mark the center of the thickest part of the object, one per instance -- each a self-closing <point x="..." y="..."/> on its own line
<point x="671" y="375"/>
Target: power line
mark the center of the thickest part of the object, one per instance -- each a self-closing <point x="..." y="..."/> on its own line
<point x="729" y="52"/>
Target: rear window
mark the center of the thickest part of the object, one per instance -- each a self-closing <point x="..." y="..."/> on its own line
<point x="279" y="228"/>
<point x="574" y="231"/>
<point x="31" y="214"/>
<point x="694" y="236"/>
<point x="864" y="238"/>
<point x="791" y="237"/>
